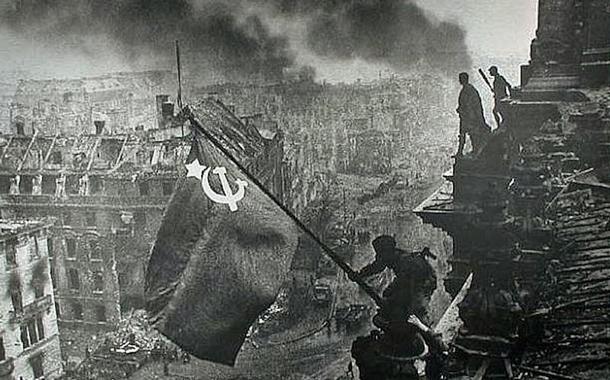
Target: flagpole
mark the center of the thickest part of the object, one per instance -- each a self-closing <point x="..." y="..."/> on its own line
<point x="179" y="74"/>
<point x="179" y="97"/>
<point x="353" y="275"/>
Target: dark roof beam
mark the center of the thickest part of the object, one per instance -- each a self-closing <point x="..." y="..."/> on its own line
<point x="92" y="152"/>
<point x="48" y="155"/>
<point x="27" y="151"/>
<point x="5" y="150"/>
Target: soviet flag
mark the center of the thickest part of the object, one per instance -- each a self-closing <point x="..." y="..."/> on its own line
<point x="221" y="253"/>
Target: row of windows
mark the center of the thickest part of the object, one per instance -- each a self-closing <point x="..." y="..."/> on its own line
<point x="17" y="298"/>
<point x="74" y="281"/>
<point x="95" y="251"/>
<point x="144" y="188"/>
<point x="77" y="311"/>
<point x="48" y="185"/>
<point x="32" y="332"/>
<point x="91" y="219"/>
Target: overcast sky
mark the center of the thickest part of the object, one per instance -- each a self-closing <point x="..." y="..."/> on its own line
<point x="494" y="26"/>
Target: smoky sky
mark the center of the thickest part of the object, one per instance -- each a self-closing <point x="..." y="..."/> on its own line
<point x="213" y="35"/>
<point x="235" y="37"/>
<point x="389" y="31"/>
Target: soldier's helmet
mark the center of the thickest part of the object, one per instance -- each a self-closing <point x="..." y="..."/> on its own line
<point x="463" y="77"/>
<point x="384" y="244"/>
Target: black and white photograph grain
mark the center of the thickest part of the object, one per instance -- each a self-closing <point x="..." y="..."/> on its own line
<point x="304" y="189"/>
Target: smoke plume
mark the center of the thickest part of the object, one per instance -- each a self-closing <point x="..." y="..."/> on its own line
<point x="388" y="31"/>
<point x="214" y="35"/>
<point x="239" y="39"/>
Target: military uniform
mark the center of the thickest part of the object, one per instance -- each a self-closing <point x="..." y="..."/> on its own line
<point x="500" y="88"/>
<point x="413" y="285"/>
<point x="472" y="120"/>
<point x="391" y="354"/>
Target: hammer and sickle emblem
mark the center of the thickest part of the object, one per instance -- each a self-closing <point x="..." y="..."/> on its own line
<point x="228" y="197"/>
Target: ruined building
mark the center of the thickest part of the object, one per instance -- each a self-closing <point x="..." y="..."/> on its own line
<point x="329" y="128"/>
<point x="29" y="339"/>
<point x="108" y="193"/>
<point x="364" y="160"/>
<point x="529" y="214"/>
<point x="123" y="101"/>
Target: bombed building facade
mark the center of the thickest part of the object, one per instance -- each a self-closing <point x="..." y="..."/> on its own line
<point x="29" y="337"/>
<point x="528" y="215"/>
<point x="108" y="193"/>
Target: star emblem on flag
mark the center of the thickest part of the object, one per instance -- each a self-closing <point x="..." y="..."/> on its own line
<point x="194" y="169"/>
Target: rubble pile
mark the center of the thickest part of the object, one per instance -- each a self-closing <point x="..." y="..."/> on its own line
<point x="134" y="329"/>
<point x="574" y="315"/>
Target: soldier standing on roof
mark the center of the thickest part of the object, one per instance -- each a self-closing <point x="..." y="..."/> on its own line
<point x="501" y="89"/>
<point x="472" y="120"/>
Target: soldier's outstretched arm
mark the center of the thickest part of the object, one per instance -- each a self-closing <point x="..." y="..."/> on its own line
<point x="373" y="268"/>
